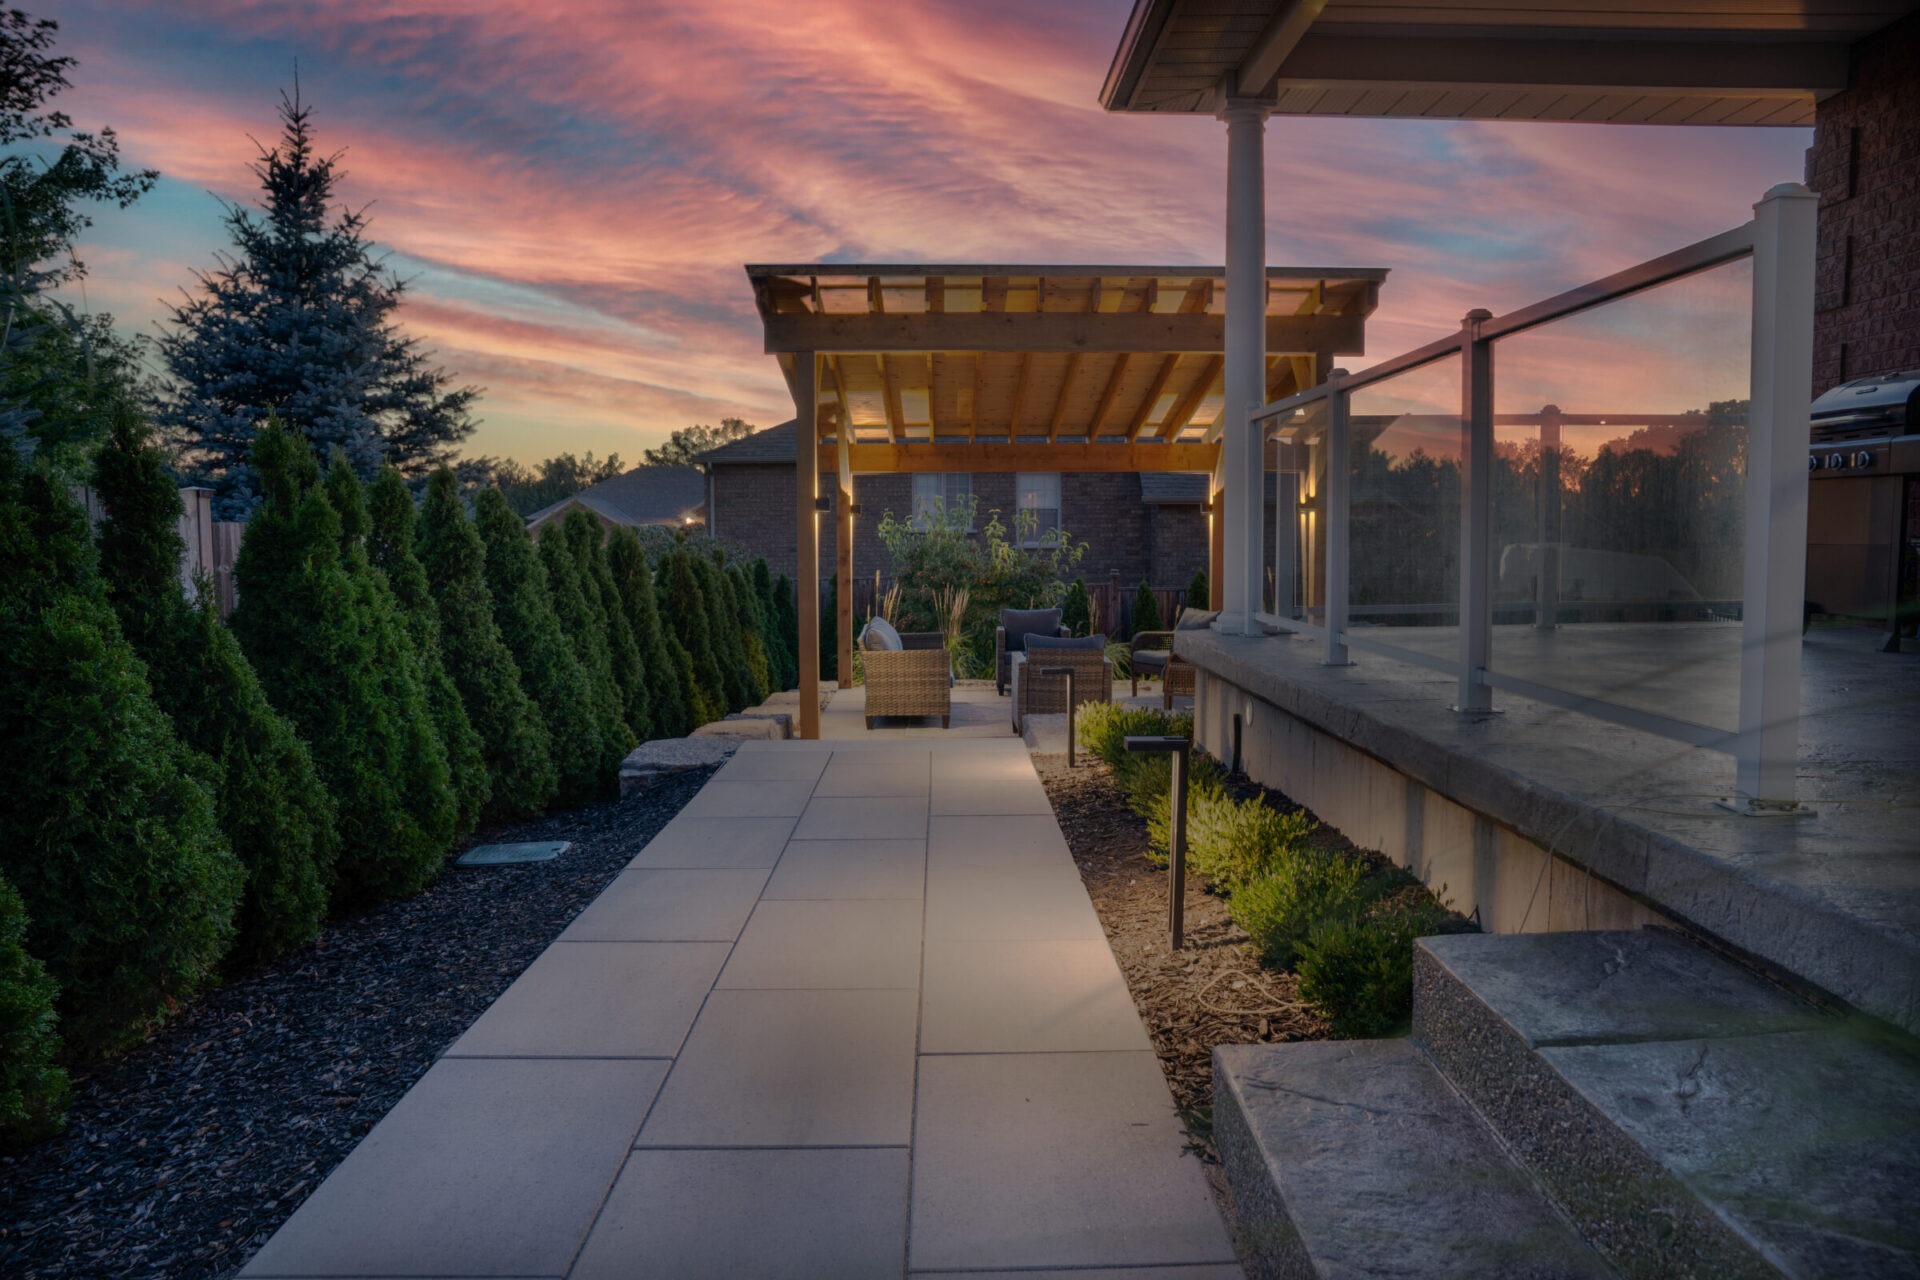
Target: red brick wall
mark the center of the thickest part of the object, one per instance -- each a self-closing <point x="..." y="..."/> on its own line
<point x="1865" y="164"/>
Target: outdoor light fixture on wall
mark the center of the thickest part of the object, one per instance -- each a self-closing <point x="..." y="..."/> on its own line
<point x="823" y="503"/>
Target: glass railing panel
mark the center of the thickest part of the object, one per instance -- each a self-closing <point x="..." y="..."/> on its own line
<point x="1619" y="491"/>
<point x="1404" y="509"/>
<point x="1292" y="553"/>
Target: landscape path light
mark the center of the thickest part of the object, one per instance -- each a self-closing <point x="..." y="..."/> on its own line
<point x="1178" y="747"/>
<point x="1068" y="673"/>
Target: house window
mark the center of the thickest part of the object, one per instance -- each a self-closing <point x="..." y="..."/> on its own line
<point x="938" y="491"/>
<point x="1039" y="502"/>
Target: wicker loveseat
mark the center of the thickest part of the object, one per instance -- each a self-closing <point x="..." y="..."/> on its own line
<point x="914" y="680"/>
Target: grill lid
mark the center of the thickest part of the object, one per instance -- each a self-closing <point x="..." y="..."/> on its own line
<point x="1881" y="406"/>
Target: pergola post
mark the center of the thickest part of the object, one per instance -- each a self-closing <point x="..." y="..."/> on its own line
<point x="843" y="581"/>
<point x="806" y="460"/>
<point x="1242" y="468"/>
<point x="1776" y="508"/>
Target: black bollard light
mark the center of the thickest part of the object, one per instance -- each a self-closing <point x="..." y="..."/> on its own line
<point x="1178" y="747"/>
<point x="1068" y="673"/>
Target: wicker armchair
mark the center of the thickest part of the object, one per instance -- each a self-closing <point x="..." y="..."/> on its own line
<point x="916" y="680"/>
<point x="1151" y="654"/>
<point x="1001" y="656"/>
<point x="1038" y="695"/>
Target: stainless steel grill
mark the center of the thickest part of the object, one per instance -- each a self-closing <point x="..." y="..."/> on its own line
<point x="1863" y="519"/>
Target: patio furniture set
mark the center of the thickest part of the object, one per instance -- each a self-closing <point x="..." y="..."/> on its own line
<point x="910" y="674"/>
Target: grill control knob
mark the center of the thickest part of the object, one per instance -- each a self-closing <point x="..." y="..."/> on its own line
<point x="1813" y="462"/>
<point x="1835" y="461"/>
<point x="1864" y="458"/>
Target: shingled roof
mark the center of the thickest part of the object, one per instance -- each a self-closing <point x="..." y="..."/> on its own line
<point x="644" y="495"/>
<point x="775" y="444"/>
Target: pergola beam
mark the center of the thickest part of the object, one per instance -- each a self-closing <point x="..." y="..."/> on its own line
<point x="1001" y="457"/>
<point x="1115" y="331"/>
<point x="1184" y="408"/>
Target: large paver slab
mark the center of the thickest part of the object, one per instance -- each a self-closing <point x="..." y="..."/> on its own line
<point x="997" y="840"/>
<point x="863" y="774"/>
<point x="1055" y="1160"/>
<point x="851" y="869"/>
<point x="670" y="906"/>
<point x="797" y="945"/>
<point x="772" y="1215"/>
<point x="988" y="902"/>
<point x="598" y="999"/>
<point x="864" y="818"/>
<point x="716" y="842"/>
<point x="791" y="1069"/>
<point x="1212" y="1271"/>
<point x="990" y="798"/>
<point x="1026" y="997"/>
<point x="750" y="798"/>
<point x="798" y="764"/>
<point x="484" y="1168"/>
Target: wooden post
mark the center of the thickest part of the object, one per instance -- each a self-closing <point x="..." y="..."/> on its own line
<point x="806" y="470"/>
<point x="843" y="568"/>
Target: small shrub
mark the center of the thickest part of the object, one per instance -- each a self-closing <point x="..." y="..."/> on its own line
<point x="1357" y="971"/>
<point x="1299" y="889"/>
<point x="1120" y="654"/>
<point x="667" y="691"/>
<point x="1076" y="610"/>
<point x="686" y="617"/>
<point x="33" y="1091"/>
<point x="1198" y="594"/>
<point x="1233" y="842"/>
<point x="1104" y="727"/>
<point x="1146" y="610"/>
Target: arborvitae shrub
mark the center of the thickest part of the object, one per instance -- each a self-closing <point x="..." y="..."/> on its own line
<point x="107" y="826"/>
<point x="715" y="599"/>
<point x="1076" y="610"/>
<point x="746" y="621"/>
<point x="1197" y="592"/>
<point x="667" y="697"/>
<point x="553" y="677"/>
<point x="586" y="537"/>
<point x="684" y="613"/>
<point x="515" y="746"/>
<point x="576" y="604"/>
<point x="1146" y="609"/>
<point x="333" y="657"/>
<point x="33" y="1091"/>
<point x="789" y="623"/>
<point x="779" y="657"/>
<point x="389" y="542"/>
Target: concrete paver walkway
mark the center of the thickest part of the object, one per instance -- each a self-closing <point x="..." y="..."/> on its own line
<point x="850" y="1014"/>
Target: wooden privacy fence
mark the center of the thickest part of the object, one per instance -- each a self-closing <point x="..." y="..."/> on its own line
<point x="1112" y="603"/>
<point x="211" y="545"/>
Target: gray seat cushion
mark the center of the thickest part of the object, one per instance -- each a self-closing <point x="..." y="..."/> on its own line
<point x="1021" y="623"/>
<point x="1150" y="660"/>
<point x="1039" y="644"/>
<point x="880" y="637"/>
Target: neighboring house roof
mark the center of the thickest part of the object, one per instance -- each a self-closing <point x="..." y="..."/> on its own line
<point x="644" y="495"/>
<point x="1173" y="488"/>
<point x="775" y="444"/>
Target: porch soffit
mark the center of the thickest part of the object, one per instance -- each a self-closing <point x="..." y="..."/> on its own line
<point x="1764" y="62"/>
<point x="1051" y="366"/>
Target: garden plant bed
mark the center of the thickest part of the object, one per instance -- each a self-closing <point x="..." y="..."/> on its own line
<point x="182" y="1157"/>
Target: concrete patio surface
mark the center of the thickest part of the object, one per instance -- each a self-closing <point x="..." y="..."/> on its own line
<point x="850" y="1014"/>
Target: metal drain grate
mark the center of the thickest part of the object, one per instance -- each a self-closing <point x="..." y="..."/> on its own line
<point x="501" y="855"/>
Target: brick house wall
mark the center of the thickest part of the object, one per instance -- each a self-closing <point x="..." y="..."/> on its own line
<point x="1865" y="164"/>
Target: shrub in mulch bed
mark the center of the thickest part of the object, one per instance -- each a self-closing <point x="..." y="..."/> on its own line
<point x="180" y="1159"/>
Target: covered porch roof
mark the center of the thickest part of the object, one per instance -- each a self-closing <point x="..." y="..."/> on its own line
<point x="1621" y="61"/>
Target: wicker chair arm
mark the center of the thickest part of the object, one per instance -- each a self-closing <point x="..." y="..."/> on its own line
<point x="885" y="664"/>
<point x="922" y="640"/>
<point x="1136" y="645"/>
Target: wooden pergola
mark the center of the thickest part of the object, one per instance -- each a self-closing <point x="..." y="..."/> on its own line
<point x="905" y="368"/>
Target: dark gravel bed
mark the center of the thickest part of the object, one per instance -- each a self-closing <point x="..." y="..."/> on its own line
<point x="180" y="1159"/>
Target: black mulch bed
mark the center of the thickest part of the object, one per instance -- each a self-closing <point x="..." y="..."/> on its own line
<point x="180" y="1159"/>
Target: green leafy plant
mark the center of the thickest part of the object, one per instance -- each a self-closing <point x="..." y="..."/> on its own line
<point x="33" y="1090"/>
<point x="1357" y="971"/>
<point x="1281" y="906"/>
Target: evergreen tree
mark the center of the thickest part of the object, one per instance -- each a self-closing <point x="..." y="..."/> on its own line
<point x="107" y="826"/>
<point x="576" y="604"/>
<point x="1076" y="610"/>
<point x="515" y="745"/>
<point x="667" y="694"/>
<point x="270" y="802"/>
<point x="829" y="631"/>
<point x="586" y="538"/>
<point x="332" y="654"/>
<point x="686" y="615"/>
<point x="389" y="542"/>
<point x="300" y="323"/>
<point x="746" y="618"/>
<point x="1146" y="609"/>
<point x="1197" y="591"/>
<point x="553" y="676"/>
<point x="33" y="1091"/>
<point x="736" y="683"/>
<point x="778" y="654"/>
<point x="789" y="622"/>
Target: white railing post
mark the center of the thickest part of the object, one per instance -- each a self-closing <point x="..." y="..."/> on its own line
<point x="1774" y="587"/>
<point x="1339" y="504"/>
<point x="1241" y="443"/>
<point x="1476" y="513"/>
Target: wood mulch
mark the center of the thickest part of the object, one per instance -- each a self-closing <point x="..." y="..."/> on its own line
<point x="180" y="1159"/>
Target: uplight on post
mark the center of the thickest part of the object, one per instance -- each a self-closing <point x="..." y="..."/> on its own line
<point x="1178" y="747"/>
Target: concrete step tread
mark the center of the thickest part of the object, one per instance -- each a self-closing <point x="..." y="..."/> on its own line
<point x="1691" y="1117"/>
<point x="1355" y="1159"/>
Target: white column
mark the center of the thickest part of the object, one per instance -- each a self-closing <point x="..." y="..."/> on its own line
<point x="1246" y="362"/>
<point x="1776" y="509"/>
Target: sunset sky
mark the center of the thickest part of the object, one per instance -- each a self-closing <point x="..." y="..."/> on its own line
<point x="573" y="187"/>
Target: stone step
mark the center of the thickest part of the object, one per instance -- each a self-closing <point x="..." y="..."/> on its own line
<point x="1692" y="1118"/>
<point x="1356" y="1159"/>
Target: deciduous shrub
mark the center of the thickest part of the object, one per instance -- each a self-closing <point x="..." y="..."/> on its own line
<point x="389" y="543"/>
<point x="667" y="696"/>
<point x="687" y="617"/>
<point x="584" y="761"/>
<point x="33" y="1091"/>
<point x="577" y="605"/>
<point x="333" y="656"/>
<point x="1146" y="610"/>
<point x="586" y="538"/>
<point x="107" y="826"/>
<point x="270" y="802"/>
<point x="515" y="746"/>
